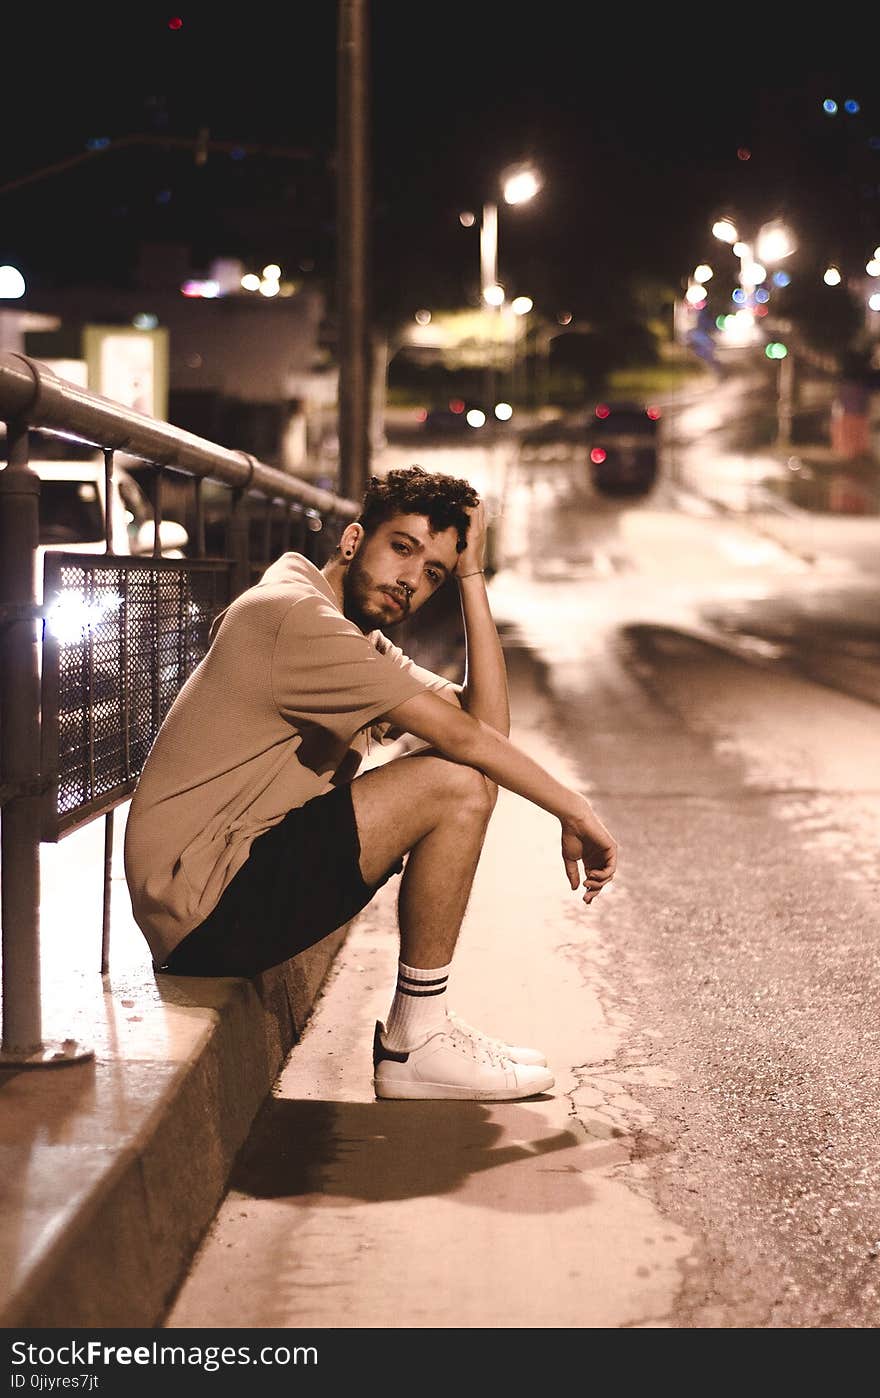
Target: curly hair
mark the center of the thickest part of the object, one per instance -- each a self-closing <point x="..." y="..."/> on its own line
<point x="410" y="490"/>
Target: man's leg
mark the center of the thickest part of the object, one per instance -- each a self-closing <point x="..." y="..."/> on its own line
<point x="437" y="812"/>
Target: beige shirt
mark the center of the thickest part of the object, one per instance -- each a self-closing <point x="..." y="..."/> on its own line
<point x="276" y="713"/>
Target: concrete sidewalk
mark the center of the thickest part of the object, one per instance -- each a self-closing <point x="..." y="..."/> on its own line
<point x="518" y="1215"/>
<point x="112" y="1168"/>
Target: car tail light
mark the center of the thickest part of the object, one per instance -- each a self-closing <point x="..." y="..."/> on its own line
<point x="597" y="456"/>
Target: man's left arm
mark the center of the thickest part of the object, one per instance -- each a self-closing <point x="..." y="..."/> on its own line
<point x="484" y="693"/>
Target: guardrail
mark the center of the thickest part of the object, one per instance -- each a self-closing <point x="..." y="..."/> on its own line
<point x="87" y="676"/>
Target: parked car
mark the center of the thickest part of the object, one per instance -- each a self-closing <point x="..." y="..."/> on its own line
<point x="622" y="439"/>
<point x="71" y="520"/>
<point x="71" y="508"/>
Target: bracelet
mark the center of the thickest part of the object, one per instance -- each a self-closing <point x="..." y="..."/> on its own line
<point x="471" y="575"/>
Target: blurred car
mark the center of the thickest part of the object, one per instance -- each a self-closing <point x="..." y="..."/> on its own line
<point x="71" y="507"/>
<point x="459" y="416"/>
<point x="72" y="520"/>
<point x="72" y="511"/>
<point x="623" y="444"/>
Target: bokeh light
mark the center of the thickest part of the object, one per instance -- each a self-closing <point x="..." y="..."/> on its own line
<point x="725" y="230"/>
<point x="12" y="284"/>
<point x="521" y="186"/>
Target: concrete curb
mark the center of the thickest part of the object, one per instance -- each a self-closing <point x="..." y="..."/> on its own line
<point x="100" y="1231"/>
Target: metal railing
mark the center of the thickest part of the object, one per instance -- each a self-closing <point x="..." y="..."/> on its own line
<point x="87" y="676"/>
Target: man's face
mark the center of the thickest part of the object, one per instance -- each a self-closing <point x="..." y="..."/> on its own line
<point x="396" y="569"/>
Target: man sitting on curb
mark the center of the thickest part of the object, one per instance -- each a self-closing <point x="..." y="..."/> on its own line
<point x="250" y="837"/>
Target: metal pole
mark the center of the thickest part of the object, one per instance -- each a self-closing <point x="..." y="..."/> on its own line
<point x="353" y="183"/>
<point x="238" y="542"/>
<point x="489" y="278"/>
<point x="108" y="819"/>
<point x="488" y="248"/>
<point x="108" y="874"/>
<point x="22" y="1043"/>
<point x="784" y="401"/>
<point x="20" y="734"/>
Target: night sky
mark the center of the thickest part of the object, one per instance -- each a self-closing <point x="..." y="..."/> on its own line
<point x="645" y="130"/>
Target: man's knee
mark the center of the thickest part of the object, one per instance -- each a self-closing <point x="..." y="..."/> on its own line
<point x="467" y="789"/>
<point x="455" y="787"/>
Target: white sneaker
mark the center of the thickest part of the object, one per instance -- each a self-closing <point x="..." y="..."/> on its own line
<point x="451" y="1066"/>
<point x="514" y="1051"/>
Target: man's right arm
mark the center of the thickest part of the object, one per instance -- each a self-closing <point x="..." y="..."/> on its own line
<point x="463" y="738"/>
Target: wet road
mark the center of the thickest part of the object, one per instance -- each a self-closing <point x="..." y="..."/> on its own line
<point x="685" y="666"/>
<point x="750" y="957"/>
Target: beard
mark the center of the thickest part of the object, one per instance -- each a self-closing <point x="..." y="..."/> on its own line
<point x="365" y="604"/>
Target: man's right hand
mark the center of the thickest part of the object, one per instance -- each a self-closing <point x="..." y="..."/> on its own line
<point x="473" y="557"/>
<point x="469" y="740"/>
<point x="585" y="839"/>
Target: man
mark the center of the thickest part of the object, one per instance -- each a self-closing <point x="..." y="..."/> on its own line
<point x="250" y="837"/>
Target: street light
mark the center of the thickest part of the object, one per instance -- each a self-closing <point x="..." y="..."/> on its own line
<point x="518" y="185"/>
<point x="774" y="241"/>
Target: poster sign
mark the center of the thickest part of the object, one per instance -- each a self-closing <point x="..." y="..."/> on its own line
<point x="130" y="366"/>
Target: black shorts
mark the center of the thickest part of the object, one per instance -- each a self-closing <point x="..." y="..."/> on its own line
<point x="301" y="881"/>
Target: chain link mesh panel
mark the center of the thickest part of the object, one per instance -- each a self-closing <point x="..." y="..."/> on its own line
<point x="121" y="636"/>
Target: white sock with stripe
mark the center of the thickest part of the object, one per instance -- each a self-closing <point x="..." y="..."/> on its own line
<point x="418" y="1008"/>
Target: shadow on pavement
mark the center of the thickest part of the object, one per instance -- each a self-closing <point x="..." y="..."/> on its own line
<point x="377" y="1151"/>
